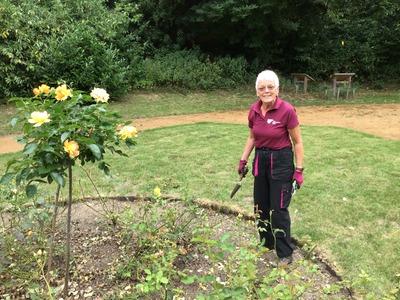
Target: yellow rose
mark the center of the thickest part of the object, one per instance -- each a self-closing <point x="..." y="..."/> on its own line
<point x="72" y="148"/>
<point x="44" y="88"/>
<point x="99" y="95"/>
<point x="157" y="191"/>
<point x="63" y="93"/>
<point x="128" y="132"/>
<point x="36" y="91"/>
<point x="38" y="118"/>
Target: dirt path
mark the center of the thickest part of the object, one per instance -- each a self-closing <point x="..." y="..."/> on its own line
<point x="381" y="120"/>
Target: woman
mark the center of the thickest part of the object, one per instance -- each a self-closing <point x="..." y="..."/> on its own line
<point x="274" y="132"/>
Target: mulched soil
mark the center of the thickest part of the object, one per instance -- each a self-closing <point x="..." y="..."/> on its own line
<point x="96" y="247"/>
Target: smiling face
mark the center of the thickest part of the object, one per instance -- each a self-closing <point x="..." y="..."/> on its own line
<point x="267" y="91"/>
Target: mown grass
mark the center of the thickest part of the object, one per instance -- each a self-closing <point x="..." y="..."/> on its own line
<point x="348" y="205"/>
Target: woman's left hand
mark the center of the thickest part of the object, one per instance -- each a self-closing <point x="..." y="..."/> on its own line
<point x="298" y="176"/>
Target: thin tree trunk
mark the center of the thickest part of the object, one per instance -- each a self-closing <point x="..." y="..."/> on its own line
<point x="53" y="231"/>
<point x="68" y="244"/>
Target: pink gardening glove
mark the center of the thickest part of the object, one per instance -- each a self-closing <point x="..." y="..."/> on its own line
<point x="298" y="176"/>
<point x="241" y="166"/>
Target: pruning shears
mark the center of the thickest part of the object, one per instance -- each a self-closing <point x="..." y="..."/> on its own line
<point x="239" y="184"/>
<point x="295" y="187"/>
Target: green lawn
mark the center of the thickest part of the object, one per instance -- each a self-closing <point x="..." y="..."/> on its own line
<point x="349" y="204"/>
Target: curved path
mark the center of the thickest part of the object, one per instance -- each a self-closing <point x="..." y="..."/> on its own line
<point x="381" y="120"/>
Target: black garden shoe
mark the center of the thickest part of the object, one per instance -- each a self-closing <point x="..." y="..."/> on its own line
<point x="284" y="261"/>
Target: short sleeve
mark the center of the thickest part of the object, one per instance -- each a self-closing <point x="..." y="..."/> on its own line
<point x="251" y="118"/>
<point x="292" y="120"/>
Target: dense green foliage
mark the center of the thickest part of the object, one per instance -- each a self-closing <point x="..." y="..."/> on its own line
<point x="370" y="31"/>
<point x="74" y="41"/>
<point x="191" y="69"/>
<point x="120" y="45"/>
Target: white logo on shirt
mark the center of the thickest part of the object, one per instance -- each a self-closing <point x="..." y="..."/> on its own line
<point x="272" y="121"/>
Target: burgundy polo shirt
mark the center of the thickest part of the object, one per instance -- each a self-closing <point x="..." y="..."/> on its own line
<point x="271" y="130"/>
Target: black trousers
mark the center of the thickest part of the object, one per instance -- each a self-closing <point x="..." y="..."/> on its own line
<point x="273" y="171"/>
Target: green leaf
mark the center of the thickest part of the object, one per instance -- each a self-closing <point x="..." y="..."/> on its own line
<point x="85" y="140"/>
<point x="208" y="278"/>
<point x="13" y="122"/>
<point x="164" y="280"/>
<point x="111" y="148"/>
<point x="10" y="163"/>
<point x="107" y="171"/>
<point x="147" y="271"/>
<point x="130" y="142"/>
<point x="188" y="279"/>
<point x="58" y="178"/>
<point x="64" y="136"/>
<point x="30" y="190"/>
<point x="120" y="152"/>
<point x="30" y="148"/>
<point x="103" y="166"/>
<point x="95" y="150"/>
<point x="6" y="178"/>
<point x="225" y="237"/>
<point x="21" y="140"/>
<point x="227" y="247"/>
<point x="27" y="128"/>
<point x="49" y="158"/>
<point x="25" y="173"/>
<point x="15" y="99"/>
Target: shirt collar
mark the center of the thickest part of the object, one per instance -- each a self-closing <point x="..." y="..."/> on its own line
<point x="277" y="104"/>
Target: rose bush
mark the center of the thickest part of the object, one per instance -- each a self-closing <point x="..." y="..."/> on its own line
<point x="60" y="127"/>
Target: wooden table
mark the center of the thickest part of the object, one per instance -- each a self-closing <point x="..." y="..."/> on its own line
<point x="341" y="78"/>
<point x="302" y="78"/>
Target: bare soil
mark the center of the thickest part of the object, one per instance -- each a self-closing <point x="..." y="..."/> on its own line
<point x="95" y="247"/>
<point x="381" y="120"/>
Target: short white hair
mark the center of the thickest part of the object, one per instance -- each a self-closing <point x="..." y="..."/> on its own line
<point x="268" y="75"/>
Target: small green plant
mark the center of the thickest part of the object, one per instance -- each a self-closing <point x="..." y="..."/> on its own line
<point x="242" y="276"/>
<point x="154" y="239"/>
<point x="23" y="238"/>
<point x="41" y="261"/>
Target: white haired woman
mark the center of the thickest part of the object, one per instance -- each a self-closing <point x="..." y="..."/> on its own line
<point x="274" y="133"/>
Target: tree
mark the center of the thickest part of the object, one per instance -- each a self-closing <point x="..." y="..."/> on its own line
<point x="370" y="31"/>
<point x="267" y="31"/>
<point x="61" y="127"/>
<point x="301" y="35"/>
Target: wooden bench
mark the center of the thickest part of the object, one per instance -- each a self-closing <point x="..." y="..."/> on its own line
<point x="301" y="78"/>
<point x="344" y="79"/>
